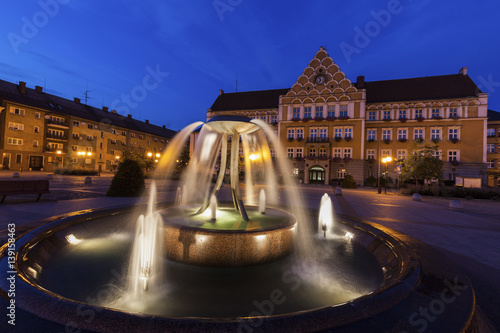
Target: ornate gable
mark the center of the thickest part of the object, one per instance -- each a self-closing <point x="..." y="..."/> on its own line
<point x="322" y="80"/>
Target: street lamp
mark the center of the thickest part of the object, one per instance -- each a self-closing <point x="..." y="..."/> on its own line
<point x="150" y="154"/>
<point x="386" y="160"/>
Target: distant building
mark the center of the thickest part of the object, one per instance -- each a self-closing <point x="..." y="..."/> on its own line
<point x="493" y="148"/>
<point x="40" y="131"/>
<point x="330" y="126"/>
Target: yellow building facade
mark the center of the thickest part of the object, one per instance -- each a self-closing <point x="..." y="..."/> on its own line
<point x="493" y="148"/>
<point x="40" y="131"/>
<point x="330" y="127"/>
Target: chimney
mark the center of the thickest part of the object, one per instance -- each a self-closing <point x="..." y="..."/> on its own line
<point x="38" y="89"/>
<point x="22" y="87"/>
<point x="221" y="92"/>
<point x="105" y="109"/>
<point x="129" y="115"/>
<point x="77" y="100"/>
<point x="165" y="127"/>
<point x="114" y="112"/>
<point x="463" y="71"/>
<point x="147" y="121"/>
<point x="360" y="83"/>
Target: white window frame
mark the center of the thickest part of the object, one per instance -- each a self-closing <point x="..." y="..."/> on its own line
<point x="417" y="135"/>
<point x="454" y="128"/>
<point x="386" y="134"/>
<point x="490" y="148"/>
<point x="371" y="154"/>
<point x="371" y="134"/>
<point x="401" y="154"/>
<point x="15" y="141"/>
<point x="453" y="155"/>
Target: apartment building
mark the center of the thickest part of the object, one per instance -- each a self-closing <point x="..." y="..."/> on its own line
<point x="40" y="131"/>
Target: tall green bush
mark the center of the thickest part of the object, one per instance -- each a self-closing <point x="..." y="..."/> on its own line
<point x="349" y="182"/>
<point x="128" y="180"/>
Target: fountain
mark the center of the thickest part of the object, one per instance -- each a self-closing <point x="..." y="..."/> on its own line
<point x="215" y="257"/>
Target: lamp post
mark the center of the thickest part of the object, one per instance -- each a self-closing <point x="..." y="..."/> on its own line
<point x="386" y="160"/>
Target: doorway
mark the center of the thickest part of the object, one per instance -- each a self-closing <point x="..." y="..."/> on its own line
<point x="316" y="175"/>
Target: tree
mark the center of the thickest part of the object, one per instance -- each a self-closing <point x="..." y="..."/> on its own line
<point x="128" y="180"/>
<point x="146" y="163"/>
<point x="182" y="162"/>
<point x="422" y="164"/>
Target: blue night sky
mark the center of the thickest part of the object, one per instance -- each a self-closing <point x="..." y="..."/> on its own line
<point x="196" y="48"/>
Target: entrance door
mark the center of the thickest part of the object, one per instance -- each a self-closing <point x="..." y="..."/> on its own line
<point x="36" y="162"/>
<point x="6" y="161"/>
<point x="317" y="175"/>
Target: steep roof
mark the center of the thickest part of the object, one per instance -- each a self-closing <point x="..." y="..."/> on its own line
<point x="421" y="88"/>
<point x="248" y="100"/>
<point x="58" y="105"/>
<point x="493" y="115"/>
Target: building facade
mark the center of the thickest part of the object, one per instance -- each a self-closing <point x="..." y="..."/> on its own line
<point x="40" y="131"/>
<point x="493" y="148"/>
<point x="330" y="127"/>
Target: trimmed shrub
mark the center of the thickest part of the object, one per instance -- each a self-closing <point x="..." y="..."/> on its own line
<point x="349" y="182"/>
<point x="128" y="180"/>
<point x="76" y="172"/>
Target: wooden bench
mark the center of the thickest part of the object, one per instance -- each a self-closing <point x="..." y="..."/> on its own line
<point x="16" y="187"/>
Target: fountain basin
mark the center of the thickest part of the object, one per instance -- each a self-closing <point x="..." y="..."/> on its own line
<point x="230" y="241"/>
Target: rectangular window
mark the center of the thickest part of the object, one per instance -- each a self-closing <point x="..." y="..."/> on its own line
<point x="35" y="143"/>
<point x="140" y="146"/>
<point x="418" y="133"/>
<point x="263" y="118"/>
<point x="435" y="113"/>
<point x="348" y="132"/>
<point x="291" y="133"/>
<point x="491" y="164"/>
<point x="55" y="134"/>
<point x="90" y="137"/>
<point x="372" y="134"/>
<point x="337" y="152"/>
<point x="141" y="136"/>
<point x="338" y="132"/>
<point x="132" y="135"/>
<point x="419" y="113"/>
<point x="331" y="111"/>
<point x="274" y="119"/>
<point x="435" y="134"/>
<point x="74" y="148"/>
<point x="387" y="114"/>
<point x="371" y="115"/>
<point x="76" y="123"/>
<point x="296" y="113"/>
<point x="90" y="126"/>
<point x="37" y="115"/>
<point x="113" y="142"/>
<point x="370" y="154"/>
<point x="453" y="155"/>
<point x="319" y="112"/>
<point x="312" y="151"/>
<point x="453" y="133"/>
<point x="343" y="111"/>
<point x="19" y="112"/>
<point x="313" y="133"/>
<point x="88" y="149"/>
<point x="76" y="136"/>
<point x="437" y="154"/>
<point x="402" y="134"/>
<point x="490" y="132"/>
<point x="453" y="112"/>
<point x="402" y="114"/>
<point x="307" y="112"/>
<point x="36" y="129"/>
<point x="272" y="151"/>
<point x="19" y="158"/>
<point x="347" y="152"/>
<point x="300" y="133"/>
<point x="323" y="133"/>
<point x="386" y="134"/>
<point x="341" y="173"/>
<point x="386" y="152"/>
<point x="295" y="171"/>
<point x="16" y="126"/>
<point x="490" y="148"/>
<point x="401" y="154"/>
<point x="299" y="152"/>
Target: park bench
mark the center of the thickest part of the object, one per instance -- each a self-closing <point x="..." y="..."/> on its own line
<point x="17" y="187"/>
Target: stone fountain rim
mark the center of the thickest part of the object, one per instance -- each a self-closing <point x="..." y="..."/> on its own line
<point x="290" y="222"/>
<point x="58" y="309"/>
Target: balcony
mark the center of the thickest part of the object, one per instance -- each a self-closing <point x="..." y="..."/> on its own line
<point x="56" y="136"/>
<point x="50" y="149"/>
<point x="318" y="140"/>
<point x="58" y="124"/>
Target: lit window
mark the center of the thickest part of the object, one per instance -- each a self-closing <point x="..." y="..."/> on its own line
<point x="372" y="134"/>
<point x="343" y="111"/>
<point x="370" y="154"/>
<point x="331" y="111"/>
<point x="307" y="112"/>
<point x="319" y="112"/>
<point x="371" y="115"/>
